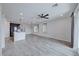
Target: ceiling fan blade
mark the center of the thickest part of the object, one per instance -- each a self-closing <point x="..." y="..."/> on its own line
<point x="46" y="15"/>
<point x="46" y="18"/>
<point x="40" y="16"/>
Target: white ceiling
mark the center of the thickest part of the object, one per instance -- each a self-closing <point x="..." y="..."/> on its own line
<point x="31" y="10"/>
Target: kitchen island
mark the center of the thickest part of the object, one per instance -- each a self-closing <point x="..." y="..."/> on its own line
<point x="19" y="36"/>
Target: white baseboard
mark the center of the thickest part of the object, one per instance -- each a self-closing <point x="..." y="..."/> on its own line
<point x="49" y="36"/>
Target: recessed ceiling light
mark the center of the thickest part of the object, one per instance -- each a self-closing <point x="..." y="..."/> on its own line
<point x="21" y="14"/>
<point x="61" y="15"/>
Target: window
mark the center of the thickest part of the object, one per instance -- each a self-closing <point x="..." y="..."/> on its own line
<point x="36" y="28"/>
<point x="44" y="27"/>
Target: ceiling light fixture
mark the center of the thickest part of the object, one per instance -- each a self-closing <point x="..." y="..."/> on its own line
<point x="21" y="17"/>
<point x="21" y="14"/>
<point x="61" y="15"/>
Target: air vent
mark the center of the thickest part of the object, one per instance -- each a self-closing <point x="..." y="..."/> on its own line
<point x="55" y="5"/>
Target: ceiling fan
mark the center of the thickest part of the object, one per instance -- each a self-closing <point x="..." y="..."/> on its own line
<point x="44" y="16"/>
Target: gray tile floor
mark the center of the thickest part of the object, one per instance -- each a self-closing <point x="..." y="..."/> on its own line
<point x="37" y="46"/>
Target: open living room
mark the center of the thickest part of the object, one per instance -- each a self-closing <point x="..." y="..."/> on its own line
<point x="39" y="29"/>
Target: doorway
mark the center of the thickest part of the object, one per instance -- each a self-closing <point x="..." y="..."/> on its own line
<point x="12" y="25"/>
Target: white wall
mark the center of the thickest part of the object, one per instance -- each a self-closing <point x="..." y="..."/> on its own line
<point x="76" y="30"/>
<point x="0" y="31"/>
<point x="7" y="28"/>
<point x="0" y="25"/>
<point x="4" y="30"/>
<point x="77" y="39"/>
<point x="59" y="29"/>
<point x="3" y="33"/>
